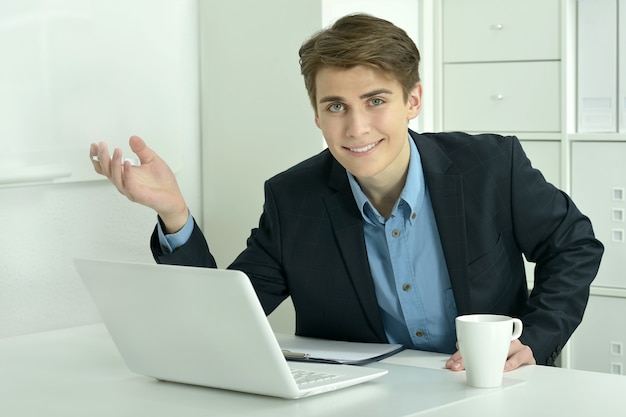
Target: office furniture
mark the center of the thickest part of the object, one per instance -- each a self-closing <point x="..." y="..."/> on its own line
<point x="597" y="65"/>
<point x="79" y="372"/>
<point x="621" y="67"/>
<point x="491" y="59"/>
<point x="513" y="68"/>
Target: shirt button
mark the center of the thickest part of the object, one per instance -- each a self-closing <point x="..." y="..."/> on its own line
<point x="395" y="233"/>
<point x="413" y="216"/>
<point x="406" y="287"/>
<point x="419" y="333"/>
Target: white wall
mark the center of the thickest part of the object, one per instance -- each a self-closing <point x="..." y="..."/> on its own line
<point x="256" y="116"/>
<point x="257" y="121"/>
<point x="43" y="227"/>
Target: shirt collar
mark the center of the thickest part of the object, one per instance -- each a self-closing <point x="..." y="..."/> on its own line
<point x="412" y="194"/>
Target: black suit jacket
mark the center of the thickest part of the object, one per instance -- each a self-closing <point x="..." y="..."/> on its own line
<point x="490" y="207"/>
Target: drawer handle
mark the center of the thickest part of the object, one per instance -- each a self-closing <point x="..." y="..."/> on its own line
<point x="497" y="27"/>
<point x="498" y="97"/>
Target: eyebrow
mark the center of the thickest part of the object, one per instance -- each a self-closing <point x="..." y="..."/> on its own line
<point x="328" y="99"/>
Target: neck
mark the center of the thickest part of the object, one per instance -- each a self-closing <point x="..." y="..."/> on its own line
<point x="384" y="197"/>
<point x="384" y="190"/>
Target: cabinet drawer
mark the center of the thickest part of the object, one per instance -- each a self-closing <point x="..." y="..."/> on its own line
<point x="501" y="30"/>
<point x="502" y="97"/>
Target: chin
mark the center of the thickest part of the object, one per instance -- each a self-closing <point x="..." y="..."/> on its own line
<point x="363" y="173"/>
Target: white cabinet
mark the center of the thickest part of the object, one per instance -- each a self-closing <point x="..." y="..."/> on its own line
<point x="502" y="97"/>
<point x="597" y="65"/>
<point x="599" y="190"/>
<point x="621" y="66"/>
<point x="599" y="342"/>
<point x="498" y="74"/>
<point x="510" y="67"/>
<point x="499" y="30"/>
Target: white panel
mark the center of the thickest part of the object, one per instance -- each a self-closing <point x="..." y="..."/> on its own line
<point x="598" y="182"/>
<point x="45" y="226"/>
<point x="597" y="345"/>
<point x="256" y="117"/>
<point x="597" y="65"/>
<point x="501" y="30"/>
<point x="622" y="65"/>
<point x="75" y="72"/>
<point x="502" y="97"/>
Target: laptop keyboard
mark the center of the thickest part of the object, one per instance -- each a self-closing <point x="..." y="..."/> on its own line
<point x="303" y="377"/>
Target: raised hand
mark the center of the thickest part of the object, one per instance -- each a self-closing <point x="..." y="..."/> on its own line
<point x="151" y="184"/>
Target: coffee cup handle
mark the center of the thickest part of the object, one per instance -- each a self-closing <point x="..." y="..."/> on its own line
<point x="517" y="328"/>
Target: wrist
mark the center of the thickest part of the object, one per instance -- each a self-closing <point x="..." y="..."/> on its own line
<point x="174" y="222"/>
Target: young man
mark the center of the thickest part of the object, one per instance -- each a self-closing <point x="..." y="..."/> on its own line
<point x="388" y="235"/>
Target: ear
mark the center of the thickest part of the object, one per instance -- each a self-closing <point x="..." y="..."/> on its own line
<point x="317" y="121"/>
<point x="414" y="103"/>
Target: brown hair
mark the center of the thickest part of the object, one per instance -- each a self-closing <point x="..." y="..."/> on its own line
<point x="361" y="39"/>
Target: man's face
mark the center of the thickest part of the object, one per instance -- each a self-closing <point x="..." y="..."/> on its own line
<point x="364" y="118"/>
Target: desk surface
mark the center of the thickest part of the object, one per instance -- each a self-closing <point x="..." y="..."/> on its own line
<point x="79" y="372"/>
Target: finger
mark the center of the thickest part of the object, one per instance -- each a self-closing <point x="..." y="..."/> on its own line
<point x="139" y="147"/>
<point x="93" y="151"/>
<point x="511" y="364"/>
<point x="117" y="170"/>
<point x="514" y="361"/>
<point x="455" y="363"/>
<point x="519" y="355"/>
<point x="104" y="160"/>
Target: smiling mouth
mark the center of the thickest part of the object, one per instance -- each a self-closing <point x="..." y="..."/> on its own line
<point x="365" y="148"/>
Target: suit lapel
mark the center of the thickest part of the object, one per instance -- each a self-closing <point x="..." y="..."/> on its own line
<point x="347" y="224"/>
<point x="445" y="186"/>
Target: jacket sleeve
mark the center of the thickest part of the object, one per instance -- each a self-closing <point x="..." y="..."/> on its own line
<point x="193" y="253"/>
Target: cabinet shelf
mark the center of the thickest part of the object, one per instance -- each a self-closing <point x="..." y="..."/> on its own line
<point x="599" y="137"/>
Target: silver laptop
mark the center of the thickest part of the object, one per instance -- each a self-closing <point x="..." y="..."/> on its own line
<point x="203" y="327"/>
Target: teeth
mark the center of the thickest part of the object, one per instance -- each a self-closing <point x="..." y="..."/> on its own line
<point x="364" y="149"/>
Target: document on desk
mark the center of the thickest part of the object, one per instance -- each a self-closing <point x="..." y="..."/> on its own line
<point x="308" y="349"/>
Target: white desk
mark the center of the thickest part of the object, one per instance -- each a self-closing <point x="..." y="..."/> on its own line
<point x="78" y="372"/>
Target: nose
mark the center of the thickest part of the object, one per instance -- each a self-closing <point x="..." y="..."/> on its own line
<point x="357" y="124"/>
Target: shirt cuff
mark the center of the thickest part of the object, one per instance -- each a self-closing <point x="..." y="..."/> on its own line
<point x="170" y="242"/>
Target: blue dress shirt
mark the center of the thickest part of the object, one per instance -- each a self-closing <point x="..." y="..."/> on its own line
<point x="408" y="266"/>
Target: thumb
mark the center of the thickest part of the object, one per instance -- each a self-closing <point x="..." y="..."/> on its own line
<point x="139" y="147"/>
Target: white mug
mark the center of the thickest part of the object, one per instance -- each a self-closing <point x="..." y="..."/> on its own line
<point x="484" y="341"/>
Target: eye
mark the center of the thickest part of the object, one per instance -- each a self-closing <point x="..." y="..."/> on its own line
<point x="376" y="101"/>
<point x="335" y="107"/>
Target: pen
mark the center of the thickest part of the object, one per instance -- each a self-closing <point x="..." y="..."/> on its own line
<point x="295" y="355"/>
<point x="133" y="161"/>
